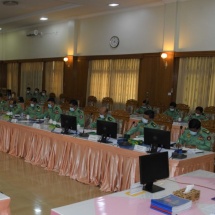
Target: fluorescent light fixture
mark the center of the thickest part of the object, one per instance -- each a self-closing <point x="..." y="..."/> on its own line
<point x="43" y="18"/>
<point x="0" y="29"/>
<point x="113" y="4"/>
<point x="37" y="210"/>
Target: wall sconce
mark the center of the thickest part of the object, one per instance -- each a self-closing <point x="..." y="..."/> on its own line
<point x="164" y="56"/>
<point x="68" y="60"/>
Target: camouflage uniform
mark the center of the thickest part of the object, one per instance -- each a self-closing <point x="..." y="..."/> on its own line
<point x="16" y="109"/>
<point x="202" y="140"/>
<point x="142" y="109"/>
<point x="140" y="127"/>
<point x="80" y="116"/>
<point x="201" y="117"/>
<point x="43" y="99"/>
<point x="53" y="113"/>
<point x="34" y="112"/>
<point x="174" y="114"/>
<point x="108" y="118"/>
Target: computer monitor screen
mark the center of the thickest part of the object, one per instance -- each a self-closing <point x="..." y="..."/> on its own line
<point x="68" y="122"/>
<point x="153" y="167"/>
<point x="106" y="129"/>
<point x="156" y="138"/>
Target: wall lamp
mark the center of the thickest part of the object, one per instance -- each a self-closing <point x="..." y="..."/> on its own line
<point x="164" y="56"/>
<point x="68" y="60"/>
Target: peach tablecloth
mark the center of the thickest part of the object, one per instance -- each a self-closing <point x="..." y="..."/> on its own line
<point x="4" y="204"/>
<point x="111" y="168"/>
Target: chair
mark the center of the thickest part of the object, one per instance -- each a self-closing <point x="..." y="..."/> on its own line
<point x="210" y="112"/>
<point x="91" y="101"/>
<point x="107" y="102"/>
<point x="65" y="107"/>
<point x="52" y="95"/>
<point x="122" y="118"/>
<point x="26" y="104"/>
<point x="164" y="120"/>
<point x="131" y="105"/>
<point x="159" y="108"/>
<point x="183" y="108"/>
<point x="91" y="113"/>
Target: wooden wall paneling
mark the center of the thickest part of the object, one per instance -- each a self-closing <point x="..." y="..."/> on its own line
<point x="3" y="75"/>
<point x="19" y="78"/>
<point x="44" y="77"/>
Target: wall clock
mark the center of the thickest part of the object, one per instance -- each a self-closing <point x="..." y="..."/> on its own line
<point x="114" y="41"/>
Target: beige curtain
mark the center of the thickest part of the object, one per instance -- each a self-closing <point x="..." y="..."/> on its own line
<point x="12" y="77"/>
<point x="54" y="77"/>
<point x="31" y="76"/>
<point x="196" y="81"/>
<point x="117" y="79"/>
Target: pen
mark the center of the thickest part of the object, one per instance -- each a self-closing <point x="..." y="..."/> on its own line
<point x="198" y="152"/>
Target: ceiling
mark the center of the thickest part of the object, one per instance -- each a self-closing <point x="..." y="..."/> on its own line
<point x="28" y="12"/>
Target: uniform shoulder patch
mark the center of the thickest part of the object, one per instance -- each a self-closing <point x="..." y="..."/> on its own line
<point x="81" y="116"/>
<point x="109" y="118"/>
<point x="209" y="138"/>
<point x="205" y="131"/>
<point x="153" y="124"/>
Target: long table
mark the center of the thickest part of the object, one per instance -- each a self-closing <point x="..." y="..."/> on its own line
<point x="4" y="204"/>
<point x="123" y="203"/>
<point x="111" y="168"/>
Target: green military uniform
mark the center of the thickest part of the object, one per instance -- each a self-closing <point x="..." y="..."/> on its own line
<point x="16" y="109"/>
<point x="202" y="140"/>
<point x="53" y="113"/>
<point x="108" y="118"/>
<point x="3" y="105"/>
<point x="140" y="127"/>
<point x="34" y="112"/>
<point x="36" y="95"/>
<point x="43" y="99"/>
<point x="174" y="114"/>
<point x="142" y="109"/>
<point x="201" y="117"/>
<point x="80" y="116"/>
<point x="28" y="96"/>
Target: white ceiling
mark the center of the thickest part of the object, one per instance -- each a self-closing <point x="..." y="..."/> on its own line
<point x="28" y="12"/>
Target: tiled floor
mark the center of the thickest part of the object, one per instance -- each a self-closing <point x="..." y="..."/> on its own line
<point x="34" y="191"/>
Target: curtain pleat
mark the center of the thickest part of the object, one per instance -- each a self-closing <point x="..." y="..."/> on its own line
<point x="12" y="76"/>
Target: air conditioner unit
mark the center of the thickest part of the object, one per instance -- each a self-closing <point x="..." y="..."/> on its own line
<point x="33" y="33"/>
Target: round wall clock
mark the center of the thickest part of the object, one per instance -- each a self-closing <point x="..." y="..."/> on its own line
<point x="114" y="41"/>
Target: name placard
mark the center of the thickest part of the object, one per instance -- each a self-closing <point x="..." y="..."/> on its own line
<point x="36" y="125"/>
<point x="94" y="138"/>
<point x="14" y="120"/>
<point x="136" y="188"/>
<point x="140" y="148"/>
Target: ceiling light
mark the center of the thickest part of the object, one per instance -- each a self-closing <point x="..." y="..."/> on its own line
<point x="10" y="3"/>
<point x="43" y="18"/>
<point x="113" y="5"/>
<point x="0" y="29"/>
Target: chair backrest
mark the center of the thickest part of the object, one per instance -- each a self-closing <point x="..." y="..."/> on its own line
<point x="26" y="104"/>
<point x="183" y="108"/>
<point x="209" y="110"/>
<point x="91" y="113"/>
<point x="164" y="120"/>
<point x="65" y="107"/>
<point x="107" y="102"/>
<point x="91" y="101"/>
<point x="122" y="118"/>
<point x="159" y="108"/>
<point x="131" y="105"/>
<point x="52" y="95"/>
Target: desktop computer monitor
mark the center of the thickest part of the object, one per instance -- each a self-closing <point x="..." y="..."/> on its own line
<point x="106" y="129"/>
<point x="153" y="167"/>
<point x="156" y="138"/>
<point x="68" y="122"/>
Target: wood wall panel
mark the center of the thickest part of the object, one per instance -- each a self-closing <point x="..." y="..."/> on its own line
<point x="3" y="75"/>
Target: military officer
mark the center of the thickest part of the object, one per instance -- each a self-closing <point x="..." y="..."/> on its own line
<point x="13" y="107"/>
<point x="34" y="110"/>
<point x="75" y="111"/>
<point x="36" y="94"/>
<point x="43" y="97"/>
<point x="3" y="103"/>
<point x="196" y="136"/>
<point x="197" y="115"/>
<point x="104" y="116"/>
<point x="28" y="95"/>
<point x="145" y="106"/>
<point x="146" y="122"/>
<point x="54" y="111"/>
<point x="172" y="111"/>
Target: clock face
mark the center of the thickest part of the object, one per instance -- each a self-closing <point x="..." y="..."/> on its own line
<point x="114" y="41"/>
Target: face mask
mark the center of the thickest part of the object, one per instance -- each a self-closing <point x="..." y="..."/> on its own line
<point x="171" y="109"/>
<point x="145" y="121"/>
<point x="36" y="91"/>
<point x="43" y="94"/>
<point x="72" y="109"/>
<point x="32" y="105"/>
<point x="28" y="91"/>
<point x="197" y="114"/>
<point x="193" y="133"/>
<point x="49" y="106"/>
<point x="11" y="106"/>
<point x="102" y="116"/>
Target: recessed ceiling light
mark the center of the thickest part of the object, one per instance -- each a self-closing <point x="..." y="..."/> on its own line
<point x="0" y="29"/>
<point x="43" y="18"/>
<point x="10" y="3"/>
<point x="113" y="5"/>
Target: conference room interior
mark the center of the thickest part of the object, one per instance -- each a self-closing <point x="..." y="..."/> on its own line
<point x="34" y="190"/>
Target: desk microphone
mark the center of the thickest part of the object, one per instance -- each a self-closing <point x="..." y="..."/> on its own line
<point x="85" y="134"/>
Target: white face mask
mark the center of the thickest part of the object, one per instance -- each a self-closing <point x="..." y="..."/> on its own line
<point x="43" y="94"/>
<point x="171" y="109"/>
<point x="32" y="105"/>
<point x="101" y="116"/>
<point x="193" y="133"/>
<point x="145" y="121"/>
<point x="49" y="106"/>
<point x="71" y="109"/>
<point x="197" y="114"/>
<point x="11" y="106"/>
<point x="36" y="91"/>
<point x="28" y="91"/>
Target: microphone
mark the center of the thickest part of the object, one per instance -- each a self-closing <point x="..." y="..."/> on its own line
<point x="83" y="134"/>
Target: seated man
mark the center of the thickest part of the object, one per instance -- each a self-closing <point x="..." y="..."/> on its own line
<point x="145" y="106"/>
<point x="34" y="110"/>
<point x="54" y="111"/>
<point x="197" y="115"/>
<point x="36" y="94"/>
<point x="196" y="136"/>
<point x="103" y="115"/>
<point x="13" y="107"/>
<point x="172" y="111"/>
<point x="146" y="122"/>
<point x="43" y="97"/>
<point x="75" y="111"/>
<point x="3" y="103"/>
<point x="28" y="95"/>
